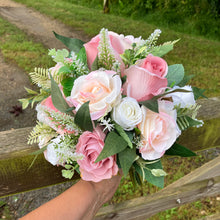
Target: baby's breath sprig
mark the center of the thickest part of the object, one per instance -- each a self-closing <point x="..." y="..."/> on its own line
<point x="107" y="123"/>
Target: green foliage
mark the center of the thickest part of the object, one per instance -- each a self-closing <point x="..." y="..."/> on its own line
<point x="175" y="74"/>
<point x="67" y="85"/>
<point x="57" y="98"/>
<point x="83" y="118"/>
<point x="123" y="134"/>
<point x="151" y="171"/>
<point x="58" y="55"/>
<point x="126" y="159"/>
<point x="42" y="130"/>
<point x="40" y="77"/>
<point x="34" y="97"/>
<point x="113" y="144"/>
<point x="180" y="150"/>
<point x="73" y="44"/>
<point x="106" y="58"/>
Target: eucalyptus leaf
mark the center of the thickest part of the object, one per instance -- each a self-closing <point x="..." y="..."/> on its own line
<point x="113" y="144"/>
<point x="83" y="118"/>
<point x="57" y="98"/>
<point x="179" y="150"/>
<point x="126" y="158"/>
<point x="72" y="43"/>
<point x="175" y="74"/>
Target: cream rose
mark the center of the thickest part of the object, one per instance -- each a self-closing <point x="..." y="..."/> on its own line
<point x="101" y="88"/>
<point x="159" y="130"/>
<point x="127" y="114"/>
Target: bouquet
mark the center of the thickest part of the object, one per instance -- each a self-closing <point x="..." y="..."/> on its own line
<point x="112" y="103"/>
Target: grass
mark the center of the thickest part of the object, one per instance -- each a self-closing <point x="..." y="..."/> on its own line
<point x="199" y="55"/>
<point x="18" y="48"/>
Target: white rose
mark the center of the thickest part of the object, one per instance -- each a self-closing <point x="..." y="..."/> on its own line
<point x="183" y="98"/>
<point x="58" y="154"/>
<point x="101" y="88"/>
<point x="127" y="114"/>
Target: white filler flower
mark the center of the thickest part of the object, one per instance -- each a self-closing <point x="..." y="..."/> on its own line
<point x="127" y="114"/>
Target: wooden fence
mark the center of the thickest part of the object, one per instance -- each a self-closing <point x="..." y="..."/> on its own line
<point x="15" y="177"/>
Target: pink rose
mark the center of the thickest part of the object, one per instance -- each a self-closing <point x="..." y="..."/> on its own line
<point x="101" y="88"/>
<point x="90" y="144"/>
<point x="159" y="130"/>
<point x="47" y="106"/>
<point x="146" y="78"/>
<point x="155" y="65"/>
<point x="118" y="43"/>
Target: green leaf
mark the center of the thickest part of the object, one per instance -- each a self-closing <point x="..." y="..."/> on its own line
<point x="157" y="181"/>
<point x="67" y="85"/>
<point x="57" y="98"/>
<point x="95" y="64"/>
<point x="113" y="144"/>
<point x="198" y="92"/>
<point x="123" y="134"/>
<point x="175" y="74"/>
<point x="126" y="159"/>
<point x="179" y="150"/>
<point x="151" y="104"/>
<point x="185" y="80"/>
<point x="64" y="69"/>
<point x="82" y="56"/>
<point x="24" y="102"/>
<point x="162" y="50"/>
<point x="30" y="91"/>
<point x="83" y="119"/>
<point x="41" y="150"/>
<point x="72" y="43"/>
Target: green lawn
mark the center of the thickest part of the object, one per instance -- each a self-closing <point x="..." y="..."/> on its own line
<point x="200" y="56"/>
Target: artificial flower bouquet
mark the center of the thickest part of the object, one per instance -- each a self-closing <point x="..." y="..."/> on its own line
<point x="112" y="103"/>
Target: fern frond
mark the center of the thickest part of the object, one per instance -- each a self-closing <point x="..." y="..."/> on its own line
<point x="42" y="130"/>
<point x="190" y="111"/>
<point x="40" y="77"/>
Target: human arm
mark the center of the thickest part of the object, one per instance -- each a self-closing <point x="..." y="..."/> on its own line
<point x="79" y="202"/>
